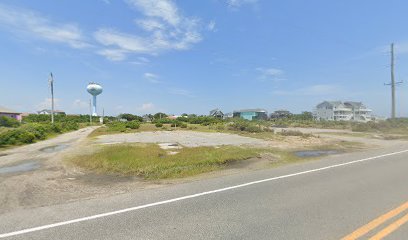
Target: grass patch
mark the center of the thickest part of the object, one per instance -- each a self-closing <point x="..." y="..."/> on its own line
<point x="151" y="162"/>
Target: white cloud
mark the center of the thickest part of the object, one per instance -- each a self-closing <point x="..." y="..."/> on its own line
<point x="314" y="90"/>
<point x="163" y="9"/>
<point x="124" y="42"/>
<point x="113" y="54"/>
<point x="211" y="26"/>
<point x="150" y="24"/>
<point x="239" y="3"/>
<point x="147" y="107"/>
<point x="140" y="61"/>
<point x="274" y="74"/>
<point x="22" y="21"/>
<point x="151" y="77"/>
<point x="165" y="28"/>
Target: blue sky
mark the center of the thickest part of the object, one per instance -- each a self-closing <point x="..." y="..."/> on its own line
<point x="192" y="56"/>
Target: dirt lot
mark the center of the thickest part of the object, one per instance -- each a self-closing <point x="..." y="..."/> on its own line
<point x="195" y="139"/>
<point x="36" y="175"/>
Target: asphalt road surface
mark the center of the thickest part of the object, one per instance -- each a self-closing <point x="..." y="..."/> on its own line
<point x="361" y="195"/>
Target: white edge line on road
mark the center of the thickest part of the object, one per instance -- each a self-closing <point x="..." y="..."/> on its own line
<point x="58" y="224"/>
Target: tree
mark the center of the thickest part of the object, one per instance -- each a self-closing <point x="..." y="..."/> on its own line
<point x="130" y="117"/>
<point x="159" y="115"/>
<point x="303" y="116"/>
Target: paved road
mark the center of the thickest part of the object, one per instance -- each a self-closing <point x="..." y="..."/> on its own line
<point x="363" y="193"/>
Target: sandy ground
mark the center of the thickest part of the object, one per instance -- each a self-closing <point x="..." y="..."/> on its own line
<point x="184" y="138"/>
<point x="45" y="179"/>
<point x="36" y="175"/>
<point x="195" y="139"/>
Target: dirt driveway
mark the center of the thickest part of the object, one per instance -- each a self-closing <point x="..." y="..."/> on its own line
<point x="29" y="174"/>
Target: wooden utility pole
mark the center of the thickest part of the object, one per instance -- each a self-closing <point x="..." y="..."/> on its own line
<point x="392" y="83"/>
<point x="51" y="82"/>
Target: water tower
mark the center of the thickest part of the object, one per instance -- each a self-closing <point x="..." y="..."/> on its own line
<point x="94" y="89"/>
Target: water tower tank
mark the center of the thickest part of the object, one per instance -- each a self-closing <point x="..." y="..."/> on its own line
<point x="94" y="89"/>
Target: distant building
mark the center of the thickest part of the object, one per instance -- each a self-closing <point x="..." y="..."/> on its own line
<point x="251" y="114"/>
<point x="10" y="113"/>
<point x="281" y="114"/>
<point x="216" y="113"/>
<point x="342" y="111"/>
<point x="172" y="117"/>
<point x="147" y="118"/>
<point x="48" y="112"/>
<point x="228" y="115"/>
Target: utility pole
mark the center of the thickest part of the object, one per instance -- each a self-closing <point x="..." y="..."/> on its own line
<point x="393" y="83"/>
<point x="51" y="82"/>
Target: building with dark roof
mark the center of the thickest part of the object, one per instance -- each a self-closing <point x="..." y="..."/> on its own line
<point x="217" y="113"/>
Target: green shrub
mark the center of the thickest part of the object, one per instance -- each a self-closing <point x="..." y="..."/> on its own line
<point x="8" y="122"/>
<point x="15" y="137"/>
<point x="133" y="124"/>
<point x="239" y="125"/>
<point x="183" y="125"/>
<point x="158" y="124"/>
<point x="39" y="130"/>
<point x="176" y="124"/>
<point x="30" y="132"/>
<point x="253" y="129"/>
<point x="116" y="126"/>
<point x="295" y="133"/>
<point x="218" y="126"/>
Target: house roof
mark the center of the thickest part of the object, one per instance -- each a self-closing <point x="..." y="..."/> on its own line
<point x="7" y="110"/>
<point x="355" y="104"/>
<point x="216" y="112"/>
<point x="49" y="111"/>
<point x="334" y="104"/>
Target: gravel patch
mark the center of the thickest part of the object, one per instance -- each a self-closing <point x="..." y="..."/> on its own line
<point x="184" y="138"/>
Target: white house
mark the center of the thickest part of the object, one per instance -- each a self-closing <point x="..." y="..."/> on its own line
<point x="48" y="112"/>
<point x="342" y="111"/>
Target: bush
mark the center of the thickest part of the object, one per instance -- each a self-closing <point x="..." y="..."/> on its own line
<point x="133" y="124"/>
<point x="295" y="133"/>
<point x="116" y="126"/>
<point x="30" y="132"/>
<point x="239" y="125"/>
<point x="15" y="137"/>
<point x="253" y="129"/>
<point x="68" y="126"/>
<point x="39" y="130"/>
<point x="177" y="124"/>
<point x="8" y="122"/>
<point x="218" y="126"/>
<point x="183" y="125"/>
<point x="158" y="124"/>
